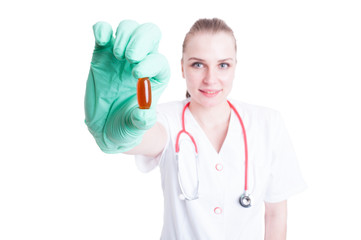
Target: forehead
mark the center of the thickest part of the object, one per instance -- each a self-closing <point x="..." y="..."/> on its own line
<point x="220" y="45"/>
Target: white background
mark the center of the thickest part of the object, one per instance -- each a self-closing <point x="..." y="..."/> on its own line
<point x="302" y="58"/>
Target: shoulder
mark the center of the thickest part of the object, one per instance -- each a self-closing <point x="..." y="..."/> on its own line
<point x="170" y="113"/>
<point x="171" y="108"/>
<point x="255" y="111"/>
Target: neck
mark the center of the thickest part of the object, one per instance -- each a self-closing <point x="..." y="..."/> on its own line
<point x="210" y="116"/>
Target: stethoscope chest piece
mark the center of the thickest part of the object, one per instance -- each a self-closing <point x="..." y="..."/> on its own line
<point x="245" y="200"/>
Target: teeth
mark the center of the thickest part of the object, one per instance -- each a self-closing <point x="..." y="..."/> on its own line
<point x="210" y="92"/>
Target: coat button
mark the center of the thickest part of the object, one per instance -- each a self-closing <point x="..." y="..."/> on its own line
<point x="219" y="167"/>
<point x="218" y="210"/>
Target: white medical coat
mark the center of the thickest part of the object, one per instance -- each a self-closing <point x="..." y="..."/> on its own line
<point x="274" y="174"/>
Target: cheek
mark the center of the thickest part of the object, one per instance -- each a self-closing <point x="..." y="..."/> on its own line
<point x="193" y="77"/>
<point x="227" y="77"/>
<point x="193" y="73"/>
<point x="192" y="81"/>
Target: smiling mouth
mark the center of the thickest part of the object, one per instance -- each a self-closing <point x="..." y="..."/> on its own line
<point x="209" y="93"/>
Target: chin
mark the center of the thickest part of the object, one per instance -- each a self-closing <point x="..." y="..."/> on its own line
<point x="208" y="102"/>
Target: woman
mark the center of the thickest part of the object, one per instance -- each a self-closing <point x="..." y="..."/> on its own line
<point x="225" y="149"/>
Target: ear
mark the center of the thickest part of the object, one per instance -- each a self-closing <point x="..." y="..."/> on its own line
<point x="182" y="68"/>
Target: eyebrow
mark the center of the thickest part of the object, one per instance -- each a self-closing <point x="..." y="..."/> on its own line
<point x="194" y="58"/>
<point x="202" y="60"/>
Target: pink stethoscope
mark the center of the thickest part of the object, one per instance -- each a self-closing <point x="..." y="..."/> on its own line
<point x="244" y="199"/>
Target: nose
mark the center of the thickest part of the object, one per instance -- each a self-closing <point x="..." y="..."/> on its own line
<point x="210" y="76"/>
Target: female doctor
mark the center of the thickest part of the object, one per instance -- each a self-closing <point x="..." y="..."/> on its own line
<point x="227" y="168"/>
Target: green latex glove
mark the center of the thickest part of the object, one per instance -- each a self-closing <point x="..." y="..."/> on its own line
<point x="111" y="108"/>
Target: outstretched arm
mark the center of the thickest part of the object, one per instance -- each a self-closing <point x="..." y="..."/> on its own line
<point x="153" y="142"/>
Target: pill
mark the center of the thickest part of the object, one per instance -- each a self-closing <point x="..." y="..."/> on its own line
<point x="144" y="93"/>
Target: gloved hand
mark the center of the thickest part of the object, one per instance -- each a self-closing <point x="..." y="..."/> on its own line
<point x="111" y="109"/>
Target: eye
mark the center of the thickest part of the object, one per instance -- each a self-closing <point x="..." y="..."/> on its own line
<point x="197" y="65"/>
<point x="224" y="65"/>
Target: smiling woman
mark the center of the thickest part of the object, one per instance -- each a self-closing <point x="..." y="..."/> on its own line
<point x="199" y="190"/>
<point x="203" y="145"/>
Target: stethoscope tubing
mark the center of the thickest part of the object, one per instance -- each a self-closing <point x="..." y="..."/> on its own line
<point x="245" y="146"/>
<point x="245" y="199"/>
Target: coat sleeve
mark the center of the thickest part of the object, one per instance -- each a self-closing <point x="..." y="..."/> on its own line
<point x="286" y="178"/>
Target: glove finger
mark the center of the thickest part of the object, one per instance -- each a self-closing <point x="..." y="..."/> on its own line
<point x="154" y="66"/>
<point x="144" y="40"/>
<point x="103" y="33"/>
<point x="143" y="119"/>
<point x="123" y="34"/>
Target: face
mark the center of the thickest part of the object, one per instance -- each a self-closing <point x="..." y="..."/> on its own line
<point x="208" y="65"/>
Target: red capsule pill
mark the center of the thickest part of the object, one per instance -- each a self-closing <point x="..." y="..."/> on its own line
<point x="144" y="93"/>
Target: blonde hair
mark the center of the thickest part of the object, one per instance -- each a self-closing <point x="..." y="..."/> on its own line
<point x="206" y="25"/>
